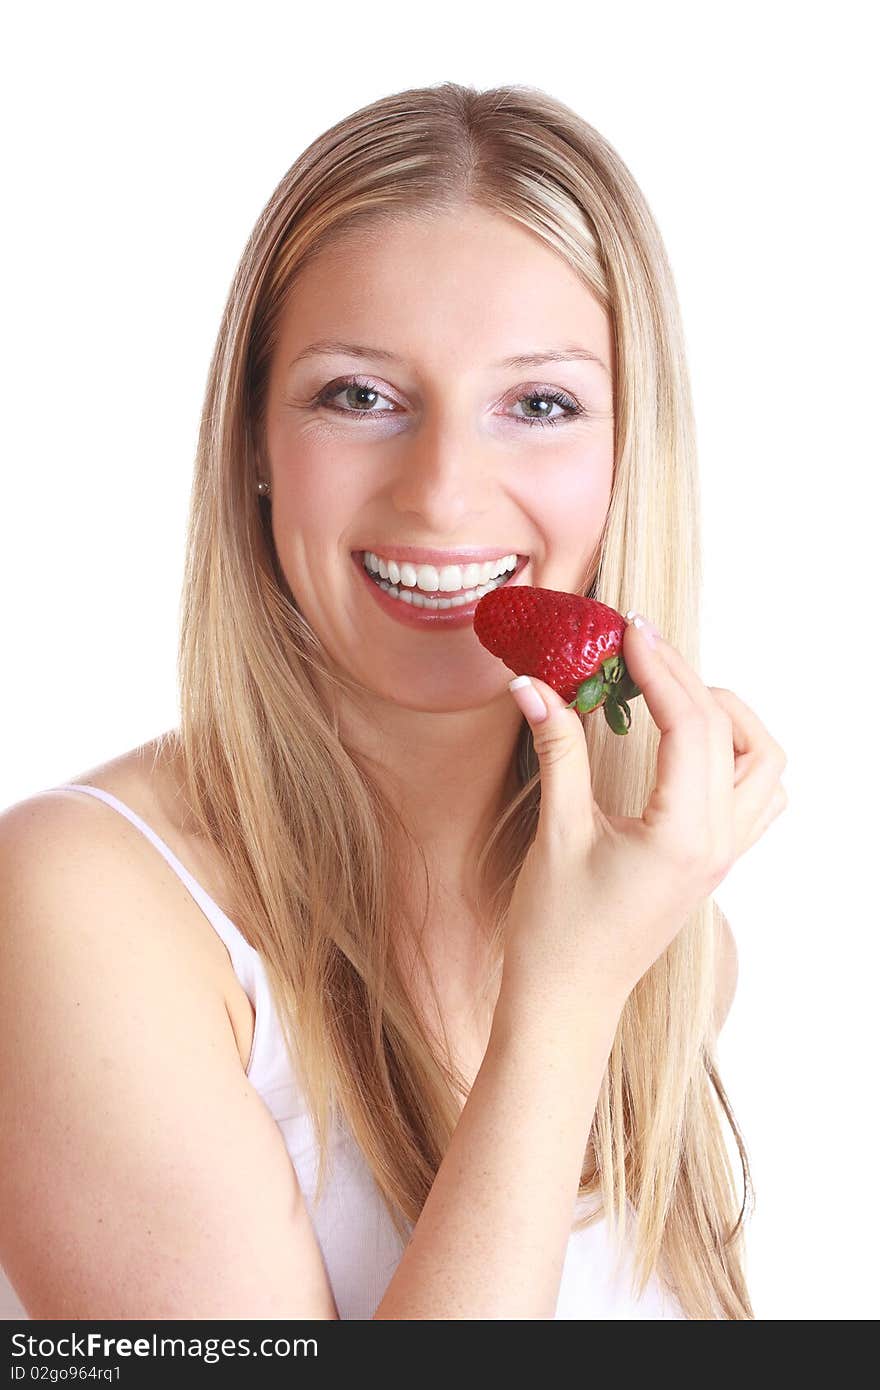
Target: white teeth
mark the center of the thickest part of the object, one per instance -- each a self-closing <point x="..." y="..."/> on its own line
<point x="420" y="600"/>
<point x="451" y="579"/>
<point x="428" y="579"/>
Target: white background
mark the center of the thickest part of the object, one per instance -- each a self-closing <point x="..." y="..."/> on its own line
<point x="141" y="143"/>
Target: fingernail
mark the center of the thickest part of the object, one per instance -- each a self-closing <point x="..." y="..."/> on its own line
<point x="648" y="630"/>
<point x="528" y="699"/>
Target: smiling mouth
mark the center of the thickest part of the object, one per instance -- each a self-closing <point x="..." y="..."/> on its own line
<point x="440" y="600"/>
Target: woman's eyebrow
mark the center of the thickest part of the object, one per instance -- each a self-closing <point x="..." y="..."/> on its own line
<point x="327" y="347"/>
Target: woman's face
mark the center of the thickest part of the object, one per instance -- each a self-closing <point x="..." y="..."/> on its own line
<point x="443" y="446"/>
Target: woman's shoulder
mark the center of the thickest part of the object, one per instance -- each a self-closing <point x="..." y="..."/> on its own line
<point x="58" y="832"/>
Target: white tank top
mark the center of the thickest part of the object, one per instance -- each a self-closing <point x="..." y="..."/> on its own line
<point x="358" y="1242"/>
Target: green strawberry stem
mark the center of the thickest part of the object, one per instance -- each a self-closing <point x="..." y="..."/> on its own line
<point x="611" y="688"/>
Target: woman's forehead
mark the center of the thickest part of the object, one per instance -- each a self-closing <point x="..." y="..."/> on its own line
<point x="492" y="291"/>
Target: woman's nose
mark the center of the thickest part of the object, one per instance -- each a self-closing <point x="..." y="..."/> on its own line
<point x="443" y="472"/>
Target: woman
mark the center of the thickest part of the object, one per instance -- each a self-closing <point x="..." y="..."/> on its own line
<point x="467" y="975"/>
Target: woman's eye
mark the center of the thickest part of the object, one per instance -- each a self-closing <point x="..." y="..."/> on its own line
<point x="548" y="399"/>
<point x="361" y="395"/>
<point x="357" y="394"/>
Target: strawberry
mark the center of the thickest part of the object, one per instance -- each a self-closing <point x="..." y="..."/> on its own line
<point x="572" y="643"/>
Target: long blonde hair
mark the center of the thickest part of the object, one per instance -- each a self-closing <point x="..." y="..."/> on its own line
<point x="307" y="835"/>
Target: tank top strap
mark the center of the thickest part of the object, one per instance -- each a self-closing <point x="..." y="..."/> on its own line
<point x="241" y="952"/>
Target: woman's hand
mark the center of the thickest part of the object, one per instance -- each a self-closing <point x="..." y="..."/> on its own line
<point x="600" y="897"/>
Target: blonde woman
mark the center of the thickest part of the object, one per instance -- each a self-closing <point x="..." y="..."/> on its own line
<point x="368" y="992"/>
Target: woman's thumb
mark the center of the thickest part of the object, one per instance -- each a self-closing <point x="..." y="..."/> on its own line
<point x="561" y="749"/>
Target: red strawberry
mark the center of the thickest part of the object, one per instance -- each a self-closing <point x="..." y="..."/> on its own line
<point x="572" y="643"/>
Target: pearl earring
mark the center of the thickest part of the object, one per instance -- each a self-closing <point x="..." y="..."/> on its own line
<point x="263" y="488"/>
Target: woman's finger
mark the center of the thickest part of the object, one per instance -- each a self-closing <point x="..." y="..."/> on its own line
<point x="749" y="733"/>
<point x="714" y="815"/>
<point x="775" y="806"/>
<point x="759" y="764"/>
<point x="745" y="761"/>
<point x="684" y="672"/>
<point x="745" y="793"/>
<point x="678" y="800"/>
<point x="565" y="816"/>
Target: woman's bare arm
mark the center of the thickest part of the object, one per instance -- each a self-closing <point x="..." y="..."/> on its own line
<point x="491" y="1238"/>
<point x="141" y="1176"/>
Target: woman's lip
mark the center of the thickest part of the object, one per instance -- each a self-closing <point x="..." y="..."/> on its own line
<point x="410" y="616"/>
